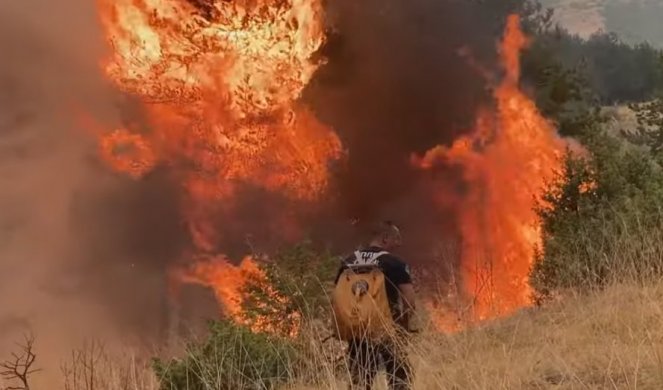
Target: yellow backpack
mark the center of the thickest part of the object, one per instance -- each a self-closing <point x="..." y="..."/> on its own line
<point x="360" y="304"/>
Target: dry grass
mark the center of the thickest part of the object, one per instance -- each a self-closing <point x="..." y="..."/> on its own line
<point x="606" y="340"/>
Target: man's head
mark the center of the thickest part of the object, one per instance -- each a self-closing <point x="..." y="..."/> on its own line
<point x="386" y="235"/>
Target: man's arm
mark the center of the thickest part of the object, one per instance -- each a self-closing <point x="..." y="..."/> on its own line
<point x="403" y="281"/>
<point x="409" y="303"/>
<point x="409" y="297"/>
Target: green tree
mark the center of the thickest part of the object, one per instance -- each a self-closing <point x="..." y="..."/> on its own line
<point x="272" y="347"/>
<point x="295" y="290"/>
<point x="649" y="132"/>
<point x="602" y="219"/>
<point x="613" y="70"/>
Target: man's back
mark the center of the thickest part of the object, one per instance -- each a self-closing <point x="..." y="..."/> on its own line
<point x="362" y="353"/>
<point x="396" y="272"/>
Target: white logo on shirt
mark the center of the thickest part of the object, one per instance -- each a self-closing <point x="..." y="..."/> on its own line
<point x="366" y="258"/>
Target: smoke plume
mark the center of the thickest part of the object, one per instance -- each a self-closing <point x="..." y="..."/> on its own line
<point x="81" y="251"/>
<point x="401" y="79"/>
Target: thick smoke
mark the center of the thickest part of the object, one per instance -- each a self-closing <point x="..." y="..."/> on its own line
<point x="402" y="77"/>
<point x="82" y="251"/>
<point x="41" y="165"/>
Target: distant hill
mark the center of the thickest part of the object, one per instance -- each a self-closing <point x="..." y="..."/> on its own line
<point x="633" y="20"/>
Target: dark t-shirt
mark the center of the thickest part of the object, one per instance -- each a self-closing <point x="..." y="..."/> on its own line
<point x="396" y="272"/>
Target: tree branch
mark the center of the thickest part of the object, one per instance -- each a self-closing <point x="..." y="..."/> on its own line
<point x="19" y="368"/>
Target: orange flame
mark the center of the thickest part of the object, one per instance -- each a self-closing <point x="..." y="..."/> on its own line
<point x="220" y="92"/>
<point x="507" y="161"/>
<point x="226" y="279"/>
<point x="219" y="85"/>
<point x="228" y="282"/>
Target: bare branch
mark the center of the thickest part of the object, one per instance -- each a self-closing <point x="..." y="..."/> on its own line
<point x="82" y="372"/>
<point x="19" y="368"/>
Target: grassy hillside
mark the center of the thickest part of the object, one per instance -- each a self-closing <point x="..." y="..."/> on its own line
<point x="582" y="17"/>
<point x="612" y="340"/>
<point x="607" y="340"/>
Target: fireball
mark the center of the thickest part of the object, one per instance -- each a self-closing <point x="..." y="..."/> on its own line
<point x="218" y="85"/>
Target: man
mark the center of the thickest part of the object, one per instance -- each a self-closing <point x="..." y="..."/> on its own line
<point x="363" y="354"/>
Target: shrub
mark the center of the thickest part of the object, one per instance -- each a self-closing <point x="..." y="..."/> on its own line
<point x="298" y="279"/>
<point x="231" y="358"/>
<point x="602" y="220"/>
<point x="284" y="304"/>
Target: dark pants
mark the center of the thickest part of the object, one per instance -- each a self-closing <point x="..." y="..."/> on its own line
<point x="364" y="358"/>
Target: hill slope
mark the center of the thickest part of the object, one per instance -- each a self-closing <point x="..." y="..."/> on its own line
<point x="633" y="20"/>
<point x="612" y="339"/>
<point x="607" y="340"/>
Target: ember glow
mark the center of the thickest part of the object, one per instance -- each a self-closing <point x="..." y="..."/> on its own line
<point x="506" y="162"/>
<point x="219" y="84"/>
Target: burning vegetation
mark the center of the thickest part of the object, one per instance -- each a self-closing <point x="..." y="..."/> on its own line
<point x="219" y="86"/>
<point x="247" y="134"/>
<point x="507" y="162"/>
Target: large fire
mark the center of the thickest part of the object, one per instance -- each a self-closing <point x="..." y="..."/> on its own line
<point x="220" y="87"/>
<point x="507" y="163"/>
<point x="219" y="84"/>
<point x="226" y="279"/>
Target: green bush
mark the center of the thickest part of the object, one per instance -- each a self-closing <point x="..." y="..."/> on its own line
<point x="273" y="346"/>
<point x="298" y="281"/>
<point x="231" y="358"/>
<point x="603" y="219"/>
